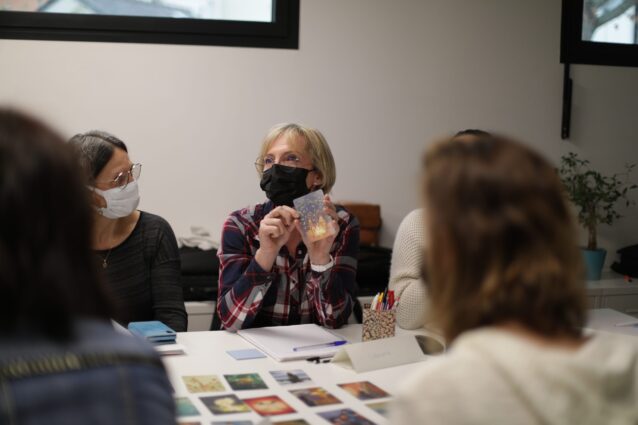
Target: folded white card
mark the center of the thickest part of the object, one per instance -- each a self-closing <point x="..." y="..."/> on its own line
<point x="379" y="354"/>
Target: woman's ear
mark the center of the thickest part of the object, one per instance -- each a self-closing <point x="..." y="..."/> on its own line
<point x="318" y="181"/>
<point x="98" y="200"/>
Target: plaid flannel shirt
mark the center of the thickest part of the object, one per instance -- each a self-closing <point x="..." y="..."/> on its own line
<point x="291" y="293"/>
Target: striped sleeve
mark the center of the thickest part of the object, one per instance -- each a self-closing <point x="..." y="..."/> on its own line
<point x="331" y="292"/>
<point x="242" y="282"/>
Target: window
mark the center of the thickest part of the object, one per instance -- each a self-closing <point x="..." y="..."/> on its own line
<point x="255" y="23"/>
<point x="600" y="32"/>
<point x="610" y="21"/>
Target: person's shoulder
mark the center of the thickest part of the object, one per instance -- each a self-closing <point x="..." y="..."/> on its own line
<point x="414" y="220"/>
<point x="153" y="229"/>
<point x="442" y="390"/>
<point x="149" y="220"/>
<point x="410" y="237"/>
<point x="447" y="373"/>
<point x="414" y="216"/>
<point x="436" y="371"/>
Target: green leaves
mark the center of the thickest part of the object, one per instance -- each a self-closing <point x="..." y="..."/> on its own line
<point x="594" y="194"/>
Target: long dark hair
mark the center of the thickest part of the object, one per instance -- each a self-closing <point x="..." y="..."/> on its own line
<point x="48" y="275"/>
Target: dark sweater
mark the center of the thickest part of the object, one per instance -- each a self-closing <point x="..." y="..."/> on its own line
<point x="143" y="275"/>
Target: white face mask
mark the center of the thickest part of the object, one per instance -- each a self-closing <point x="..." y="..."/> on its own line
<point x="119" y="202"/>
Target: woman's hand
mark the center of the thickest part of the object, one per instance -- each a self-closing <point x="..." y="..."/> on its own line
<point x="319" y="251"/>
<point x="274" y="231"/>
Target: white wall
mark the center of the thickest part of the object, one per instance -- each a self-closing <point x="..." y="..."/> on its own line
<point x="379" y="78"/>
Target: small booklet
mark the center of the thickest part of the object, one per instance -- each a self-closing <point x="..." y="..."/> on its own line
<point x="315" y="223"/>
<point x="153" y="331"/>
<point x="294" y="342"/>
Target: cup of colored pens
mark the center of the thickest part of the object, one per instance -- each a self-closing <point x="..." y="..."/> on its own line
<point x="379" y="317"/>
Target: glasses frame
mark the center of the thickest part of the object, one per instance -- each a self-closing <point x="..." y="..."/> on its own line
<point x="130" y="178"/>
<point x="261" y="166"/>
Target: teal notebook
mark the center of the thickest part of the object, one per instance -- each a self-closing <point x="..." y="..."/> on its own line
<point x="153" y="331"/>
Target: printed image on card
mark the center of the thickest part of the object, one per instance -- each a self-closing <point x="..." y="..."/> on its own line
<point x="345" y="417"/>
<point x="246" y="381"/>
<point x="225" y="404"/>
<point x="203" y="384"/>
<point x="290" y="377"/>
<point x="315" y="397"/>
<point x="315" y="223"/>
<point x="269" y="406"/>
<point x="364" y="390"/>
<point x="184" y="407"/>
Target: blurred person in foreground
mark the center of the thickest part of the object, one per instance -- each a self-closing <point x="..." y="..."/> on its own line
<point x="506" y="289"/>
<point x="61" y="361"/>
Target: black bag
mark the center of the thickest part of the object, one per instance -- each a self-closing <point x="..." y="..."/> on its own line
<point x="200" y="273"/>
<point x="628" y="264"/>
<point x="373" y="270"/>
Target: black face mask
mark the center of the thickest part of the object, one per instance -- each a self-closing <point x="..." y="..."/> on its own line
<point x="283" y="184"/>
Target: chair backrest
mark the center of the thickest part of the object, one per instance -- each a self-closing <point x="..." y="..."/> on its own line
<point x="369" y="216"/>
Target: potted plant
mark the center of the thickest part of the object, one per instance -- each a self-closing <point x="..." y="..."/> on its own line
<point x="596" y="196"/>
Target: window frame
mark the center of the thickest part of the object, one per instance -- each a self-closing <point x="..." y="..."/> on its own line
<point x="576" y="51"/>
<point x="282" y="33"/>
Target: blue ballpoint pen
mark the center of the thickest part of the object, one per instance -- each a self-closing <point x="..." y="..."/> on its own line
<point x="325" y="345"/>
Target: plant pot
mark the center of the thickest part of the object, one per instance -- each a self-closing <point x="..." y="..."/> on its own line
<point x="594" y="260"/>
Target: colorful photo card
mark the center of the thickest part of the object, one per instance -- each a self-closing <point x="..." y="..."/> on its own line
<point x="184" y="407"/>
<point x="345" y="417"/>
<point x="292" y="422"/>
<point x="203" y="384"/>
<point x="315" y="223"/>
<point x="269" y="406"/>
<point x="364" y="390"/>
<point x="315" y="397"/>
<point x="290" y="377"/>
<point x="381" y="407"/>
<point x="225" y="404"/>
<point x="246" y="381"/>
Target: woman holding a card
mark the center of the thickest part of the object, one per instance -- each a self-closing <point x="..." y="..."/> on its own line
<point x="291" y="259"/>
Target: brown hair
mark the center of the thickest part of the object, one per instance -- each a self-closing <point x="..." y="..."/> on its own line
<point x="502" y="242"/>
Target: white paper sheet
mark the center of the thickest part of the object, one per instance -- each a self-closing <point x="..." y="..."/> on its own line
<point x="278" y="341"/>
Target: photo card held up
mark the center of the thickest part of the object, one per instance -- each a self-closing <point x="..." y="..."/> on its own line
<point x="316" y="224"/>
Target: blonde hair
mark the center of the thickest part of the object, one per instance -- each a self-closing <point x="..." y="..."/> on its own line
<point x="316" y="146"/>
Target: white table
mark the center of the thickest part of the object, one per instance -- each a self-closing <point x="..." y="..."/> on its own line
<point x="206" y="355"/>
<point x="612" y="291"/>
<point x="606" y="319"/>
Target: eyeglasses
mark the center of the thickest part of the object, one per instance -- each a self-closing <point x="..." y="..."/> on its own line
<point x="289" y="160"/>
<point x="125" y="177"/>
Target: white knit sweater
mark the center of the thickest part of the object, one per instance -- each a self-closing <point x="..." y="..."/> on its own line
<point x="405" y="271"/>
<point x="491" y="376"/>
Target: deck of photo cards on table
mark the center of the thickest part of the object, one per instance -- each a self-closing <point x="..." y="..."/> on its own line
<point x="315" y="222"/>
